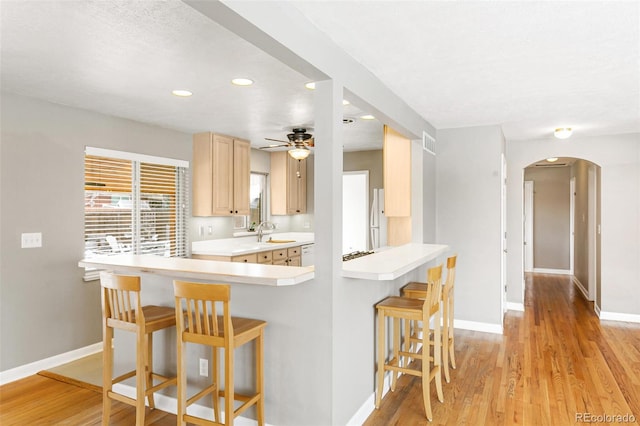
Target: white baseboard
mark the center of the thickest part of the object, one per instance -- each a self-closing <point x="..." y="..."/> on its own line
<point x="369" y="405"/>
<point x="552" y="271"/>
<point x="477" y="326"/>
<point x="170" y="405"/>
<point x="515" y="306"/>
<point x="615" y="316"/>
<point x="580" y="287"/>
<point x="30" y="369"/>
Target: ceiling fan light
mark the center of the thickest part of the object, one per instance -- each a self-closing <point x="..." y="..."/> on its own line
<point x="562" y="132"/>
<point x="299" y="153"/>
<point x="552" y="159"/>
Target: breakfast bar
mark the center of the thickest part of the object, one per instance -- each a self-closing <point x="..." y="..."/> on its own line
<point x="309" y="318"/>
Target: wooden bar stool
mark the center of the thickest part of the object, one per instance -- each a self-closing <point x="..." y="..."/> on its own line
<point x="122" y="310"/>
<point x="407" y="309"/>
<point x="418" y="290"/>
<point x="198" y="322"/>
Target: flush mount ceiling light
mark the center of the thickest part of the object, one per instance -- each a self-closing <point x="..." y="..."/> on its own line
<point x="367" y="117"/>
<point x="181" y="93"/>
<point x="345" y="102"/>
<point x="552" y="159"/>
<point x="310" y="85"/>
<point x="242" y="81"/>
<point x="299" y="153"/>
<point x="562" y="132"/>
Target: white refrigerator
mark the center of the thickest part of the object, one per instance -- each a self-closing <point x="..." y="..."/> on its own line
<point x="378" y="221"/>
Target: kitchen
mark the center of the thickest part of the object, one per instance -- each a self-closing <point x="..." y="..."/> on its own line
<point x="48" y="140"/>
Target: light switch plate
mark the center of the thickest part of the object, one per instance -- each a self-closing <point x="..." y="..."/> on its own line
<point x="31" y="239"/>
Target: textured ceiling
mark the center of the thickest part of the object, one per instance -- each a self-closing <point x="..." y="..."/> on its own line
<point x="123" y="58"/>
<point x="527" y="66"/>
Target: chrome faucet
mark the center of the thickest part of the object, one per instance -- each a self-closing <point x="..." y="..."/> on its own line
<point x="262" y="226"/>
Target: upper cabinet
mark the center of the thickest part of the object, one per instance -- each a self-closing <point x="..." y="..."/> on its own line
<point x="396" y="160"/>
<point x="396" y="165"/>
<point x="221" y="173"/>
<point x="288" y="184"/>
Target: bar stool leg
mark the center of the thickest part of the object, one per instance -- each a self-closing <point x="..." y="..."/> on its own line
<point x="445" y="342"/>
<point x="182" y="381"/>
<point x="215" y="396"/>
<point x="396" y="349"/>
<point x="381" y="333"/>
<point x="229" y="392"/>
<point x="149" y="369"/>
<point x="260" y="378"/>
<point x="437" y="358"/>
<point x="140" y="378"/>
<point x="107" y="372"/>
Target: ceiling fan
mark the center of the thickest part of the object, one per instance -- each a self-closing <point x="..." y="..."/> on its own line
<point x="299" y="142"/>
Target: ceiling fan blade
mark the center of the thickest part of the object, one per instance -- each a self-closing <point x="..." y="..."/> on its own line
<point x="311" y="142"/>
<point x="276" y="140"/>
<point x="274" y="146"/>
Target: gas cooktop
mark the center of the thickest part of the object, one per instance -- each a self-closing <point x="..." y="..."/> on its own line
<point x="355" y="255"/>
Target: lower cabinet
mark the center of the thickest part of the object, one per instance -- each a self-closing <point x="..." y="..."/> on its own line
<point x="284" y="257"/>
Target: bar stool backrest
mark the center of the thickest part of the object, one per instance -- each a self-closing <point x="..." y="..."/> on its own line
<point x="121" y="300"/>
<point x="434" y="289"/>
<point x="206" y="317"/>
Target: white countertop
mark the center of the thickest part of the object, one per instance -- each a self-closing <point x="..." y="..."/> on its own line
<point x="393" y="262"/>
<point x="210" y="270"/>
<point x="387" y="264"/>
<point x="247" y="245"/>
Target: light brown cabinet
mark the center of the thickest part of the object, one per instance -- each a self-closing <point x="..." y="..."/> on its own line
<point x="396" y="166"/>
<point x="288" y="184"/>
<point x="285" y="257"/>
<point x="221" y="173"/>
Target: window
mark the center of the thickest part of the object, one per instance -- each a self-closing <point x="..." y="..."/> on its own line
<point x="257" y="199"/>
<point x="134" y="204"/>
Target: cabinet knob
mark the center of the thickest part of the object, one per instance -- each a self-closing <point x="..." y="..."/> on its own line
<point x="246" y="260"/>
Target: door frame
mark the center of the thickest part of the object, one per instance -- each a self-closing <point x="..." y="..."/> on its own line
<point x="528" y="225"/>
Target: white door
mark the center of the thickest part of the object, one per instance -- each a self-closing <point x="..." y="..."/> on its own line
<point x="528" y="226"/>
<point x="572" y="214"/>
<point x="503" y="229"/>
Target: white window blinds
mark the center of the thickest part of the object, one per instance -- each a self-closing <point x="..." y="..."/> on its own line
<point x="134" y="204"/>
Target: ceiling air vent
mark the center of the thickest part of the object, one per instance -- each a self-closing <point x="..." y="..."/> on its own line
<point x="428" y="143"/>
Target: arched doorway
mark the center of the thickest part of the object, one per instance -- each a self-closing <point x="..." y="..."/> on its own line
<point x="561" y="217"/>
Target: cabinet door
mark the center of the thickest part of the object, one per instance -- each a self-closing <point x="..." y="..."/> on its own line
<point x="396" y="156"/>
<point x="296" y="186"/>
<point x="241" y="176"/>
<point x="202" y="175"/>
<point x="222" y="156"/>
<point x="295" y="261"/>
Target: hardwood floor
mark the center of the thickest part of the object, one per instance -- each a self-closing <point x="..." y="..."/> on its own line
<point x="43" y="401"/>
<point x="555" y="361"/>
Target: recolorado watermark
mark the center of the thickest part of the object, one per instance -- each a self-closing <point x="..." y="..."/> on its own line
<point x="605" y="418"/>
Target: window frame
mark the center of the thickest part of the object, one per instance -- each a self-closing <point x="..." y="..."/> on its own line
<point x="142" y="166"/>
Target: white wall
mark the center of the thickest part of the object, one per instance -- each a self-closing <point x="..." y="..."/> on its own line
<point x="468" y="218"/>
<point x="619" y="159"/>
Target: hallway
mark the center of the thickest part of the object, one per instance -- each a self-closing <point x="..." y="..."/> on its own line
<point x="556" y="364"/>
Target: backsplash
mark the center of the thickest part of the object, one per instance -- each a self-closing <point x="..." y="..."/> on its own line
<point x="213" y="228"/>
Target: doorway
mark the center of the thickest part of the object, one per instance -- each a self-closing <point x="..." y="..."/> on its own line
<point x="563" y="212"/>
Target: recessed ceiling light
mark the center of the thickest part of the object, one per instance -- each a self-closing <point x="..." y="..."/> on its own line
<point x="367" y="117"/>
<point x="311" y="85"/>
<point x="242" y="81"/>
<point x="552" y="159"/>
<point x="562" y="132"/>
<point x="182" y="93"/>
<point x="345" y="102"/>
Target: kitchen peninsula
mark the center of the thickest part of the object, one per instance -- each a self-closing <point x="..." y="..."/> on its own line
<point x="387" y="264"/>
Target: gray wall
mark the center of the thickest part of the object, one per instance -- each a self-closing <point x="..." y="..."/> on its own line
<point x="468" y="217"/>
<point x="46" y="308"/>
<point x="366" y="160"/>
<point x="551" y="211"/>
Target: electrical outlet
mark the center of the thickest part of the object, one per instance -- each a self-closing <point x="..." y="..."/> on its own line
<point x="210" y="229"/>
<point x="32" y="239"/>
<point x="204" y="367"/>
